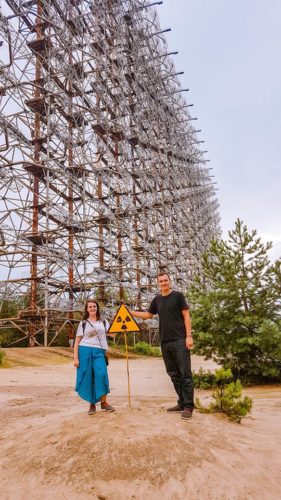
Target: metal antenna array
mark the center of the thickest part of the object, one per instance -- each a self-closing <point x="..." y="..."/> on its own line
<point x="103" y="182"/>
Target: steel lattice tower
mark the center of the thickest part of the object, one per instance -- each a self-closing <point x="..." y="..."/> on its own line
<point x="102" y="179"/>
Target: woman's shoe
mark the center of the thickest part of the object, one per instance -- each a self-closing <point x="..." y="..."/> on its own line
<point x="92" y="409"/>
<point x="106" y="407"/>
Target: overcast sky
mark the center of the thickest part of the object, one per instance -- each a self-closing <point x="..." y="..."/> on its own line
<point x="230" y="53"/>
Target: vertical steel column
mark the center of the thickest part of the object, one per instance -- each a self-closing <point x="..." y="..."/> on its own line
<point x="101" y="287"/>
<point x="136" y="244"/>
<point x="36" y="156"/>
<point x="70" y="201"/>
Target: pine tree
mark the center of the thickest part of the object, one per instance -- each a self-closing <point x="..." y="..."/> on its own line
<point x="227" y="397"/>
<point x="236" y="307"/>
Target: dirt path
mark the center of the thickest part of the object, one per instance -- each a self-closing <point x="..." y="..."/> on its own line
<point x="51" y="448"/>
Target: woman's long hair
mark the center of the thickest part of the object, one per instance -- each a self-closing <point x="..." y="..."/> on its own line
<point x="86" y="313"/>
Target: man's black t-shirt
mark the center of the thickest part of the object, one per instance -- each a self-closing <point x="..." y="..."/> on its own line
<point x="169" y="309"/>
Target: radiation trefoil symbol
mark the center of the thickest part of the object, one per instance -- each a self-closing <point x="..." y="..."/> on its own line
<point x="124" y="326"/>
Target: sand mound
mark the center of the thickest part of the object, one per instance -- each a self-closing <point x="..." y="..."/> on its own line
<point x="37" y="356"/>
<point x="44" y="356"/>
<point x="51" y="448"/>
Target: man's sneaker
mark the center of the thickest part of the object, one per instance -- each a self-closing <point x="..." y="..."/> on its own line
<point x="187" y="413"/>
<point x="107" y="407"/>
<point x="92" y="409"/>
<point x="176" y="408"/>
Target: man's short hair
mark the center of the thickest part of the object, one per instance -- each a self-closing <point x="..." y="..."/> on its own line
<point x="163" y="273"/>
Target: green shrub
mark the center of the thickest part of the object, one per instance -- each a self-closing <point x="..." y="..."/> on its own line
<point x="140" y="348"/>
<point x="227" y="397"/>
<point x="146" y="349"/>
<point x="203" y="379"/>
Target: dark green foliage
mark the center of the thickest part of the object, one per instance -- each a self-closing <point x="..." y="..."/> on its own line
<point x="203" y="379"/>
<point x="227" y="397"/>
<point x="236" y="307"/>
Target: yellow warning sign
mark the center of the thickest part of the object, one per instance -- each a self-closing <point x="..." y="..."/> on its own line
<point x="123" y="322"/>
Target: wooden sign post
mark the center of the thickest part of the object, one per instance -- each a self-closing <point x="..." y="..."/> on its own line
<point x="123" y="322"/>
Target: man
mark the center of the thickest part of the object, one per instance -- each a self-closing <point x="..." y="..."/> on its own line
<point x="176" y="340"/>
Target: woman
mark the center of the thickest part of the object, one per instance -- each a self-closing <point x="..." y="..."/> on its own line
<point x="89" y="358"/>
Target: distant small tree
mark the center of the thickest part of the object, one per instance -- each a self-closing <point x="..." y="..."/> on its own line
<point x="10" y="309"/>
<point x="236" y="307"/>
<point x="227" y="397"/>
<point x="2" y="356"/>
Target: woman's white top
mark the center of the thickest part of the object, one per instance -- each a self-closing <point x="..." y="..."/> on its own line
<point x="94" y="334"/>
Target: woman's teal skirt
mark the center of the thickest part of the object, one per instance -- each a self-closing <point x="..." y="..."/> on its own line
<point x="91" y="378"/>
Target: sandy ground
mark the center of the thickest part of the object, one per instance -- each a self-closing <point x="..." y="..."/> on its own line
<point x="51" y="449"/>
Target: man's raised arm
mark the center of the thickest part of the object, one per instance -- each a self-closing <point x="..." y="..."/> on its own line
<point x="141" y="314"/>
